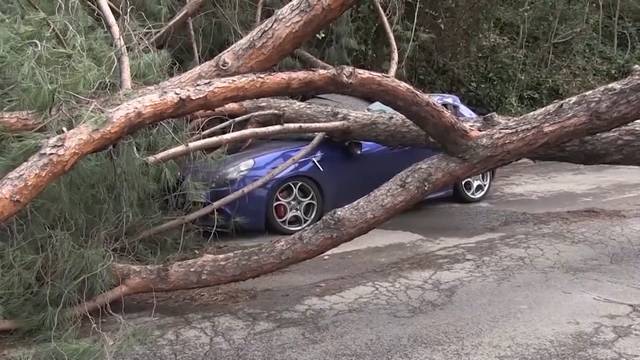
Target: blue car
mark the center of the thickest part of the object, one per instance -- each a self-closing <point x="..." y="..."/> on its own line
<point x="336" y="174"/>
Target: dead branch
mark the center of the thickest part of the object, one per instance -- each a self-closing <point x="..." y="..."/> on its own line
<point x="393" y="48"/>
<point x="258" y="133"/>
<point x="60" y="153"/>
<point x="235" y="195"/>
<point x="259" y="12"/>
<point x="19" y="121"/>
<point x="194" y="44"/>
<point x="233" y="122"/>
<point x="118" y="41"/>
<point x="183" y="16"/>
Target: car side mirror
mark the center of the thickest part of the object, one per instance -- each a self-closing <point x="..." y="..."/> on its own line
<point x="354" y="147"/>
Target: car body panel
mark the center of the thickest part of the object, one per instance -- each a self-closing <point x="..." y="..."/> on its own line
<point x="341" y="175"/>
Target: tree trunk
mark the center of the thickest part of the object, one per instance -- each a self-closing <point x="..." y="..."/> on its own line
<point x="18" y="121"/>
<point x="62" y="152"/>
<point x="586" y="114"/>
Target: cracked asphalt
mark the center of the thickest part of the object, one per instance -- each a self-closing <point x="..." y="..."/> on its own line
<point x="548" y="267"/>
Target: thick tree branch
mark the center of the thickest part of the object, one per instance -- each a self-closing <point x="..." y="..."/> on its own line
<point x="258" y="133"/>
<point x="19" y="121"/>
<point x="393" y="48"/>
<point x="62" y="152"/>
<point x="620" y="146"/>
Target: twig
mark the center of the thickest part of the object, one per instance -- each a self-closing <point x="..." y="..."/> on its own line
<point x="393" y="62"/>
<point x="121" y="49"/>
<point x="257" y="133"/>
<point x="235" y="195"/>
<point x="231" y="122"/>
<point x="615" y="28"/>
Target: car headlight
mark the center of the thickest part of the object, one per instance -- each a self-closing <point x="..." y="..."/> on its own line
<point x="239" y="170"/>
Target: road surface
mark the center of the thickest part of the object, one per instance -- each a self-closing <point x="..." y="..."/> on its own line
<point x="547" y="268"/>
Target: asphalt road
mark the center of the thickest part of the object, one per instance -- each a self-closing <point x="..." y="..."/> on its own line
<point x="547" y="268"/>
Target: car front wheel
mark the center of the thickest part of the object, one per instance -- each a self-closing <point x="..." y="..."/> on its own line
<point x="296" y="204"/>
<point x="473" y="189"/>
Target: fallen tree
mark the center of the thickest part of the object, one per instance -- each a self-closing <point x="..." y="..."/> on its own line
<point x="583" y="115"/>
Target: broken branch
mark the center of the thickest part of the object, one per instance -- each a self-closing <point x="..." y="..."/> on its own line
<point x="393" y="48"/>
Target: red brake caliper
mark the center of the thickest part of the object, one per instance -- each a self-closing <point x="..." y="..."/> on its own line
<point x="281" y="210"/>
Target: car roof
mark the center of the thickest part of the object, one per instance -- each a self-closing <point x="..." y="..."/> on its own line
<point x="355" y="103"/>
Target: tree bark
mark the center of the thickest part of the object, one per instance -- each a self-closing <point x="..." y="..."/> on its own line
<point x="118" y="41"/>
<point x="586" y="114"/>
<point x="19" y="121"/>
<point x="62" y="152"/>
<point x="267" y="44"/>
<point x="619" y="146"/>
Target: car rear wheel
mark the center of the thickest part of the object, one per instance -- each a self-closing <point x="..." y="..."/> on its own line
<point x="296" y="204"/>
<point x="473" y="189"/>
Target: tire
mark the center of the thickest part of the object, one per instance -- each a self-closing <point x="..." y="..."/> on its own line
<point x="290" y="207"/>
<point x="473" y="189"/>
